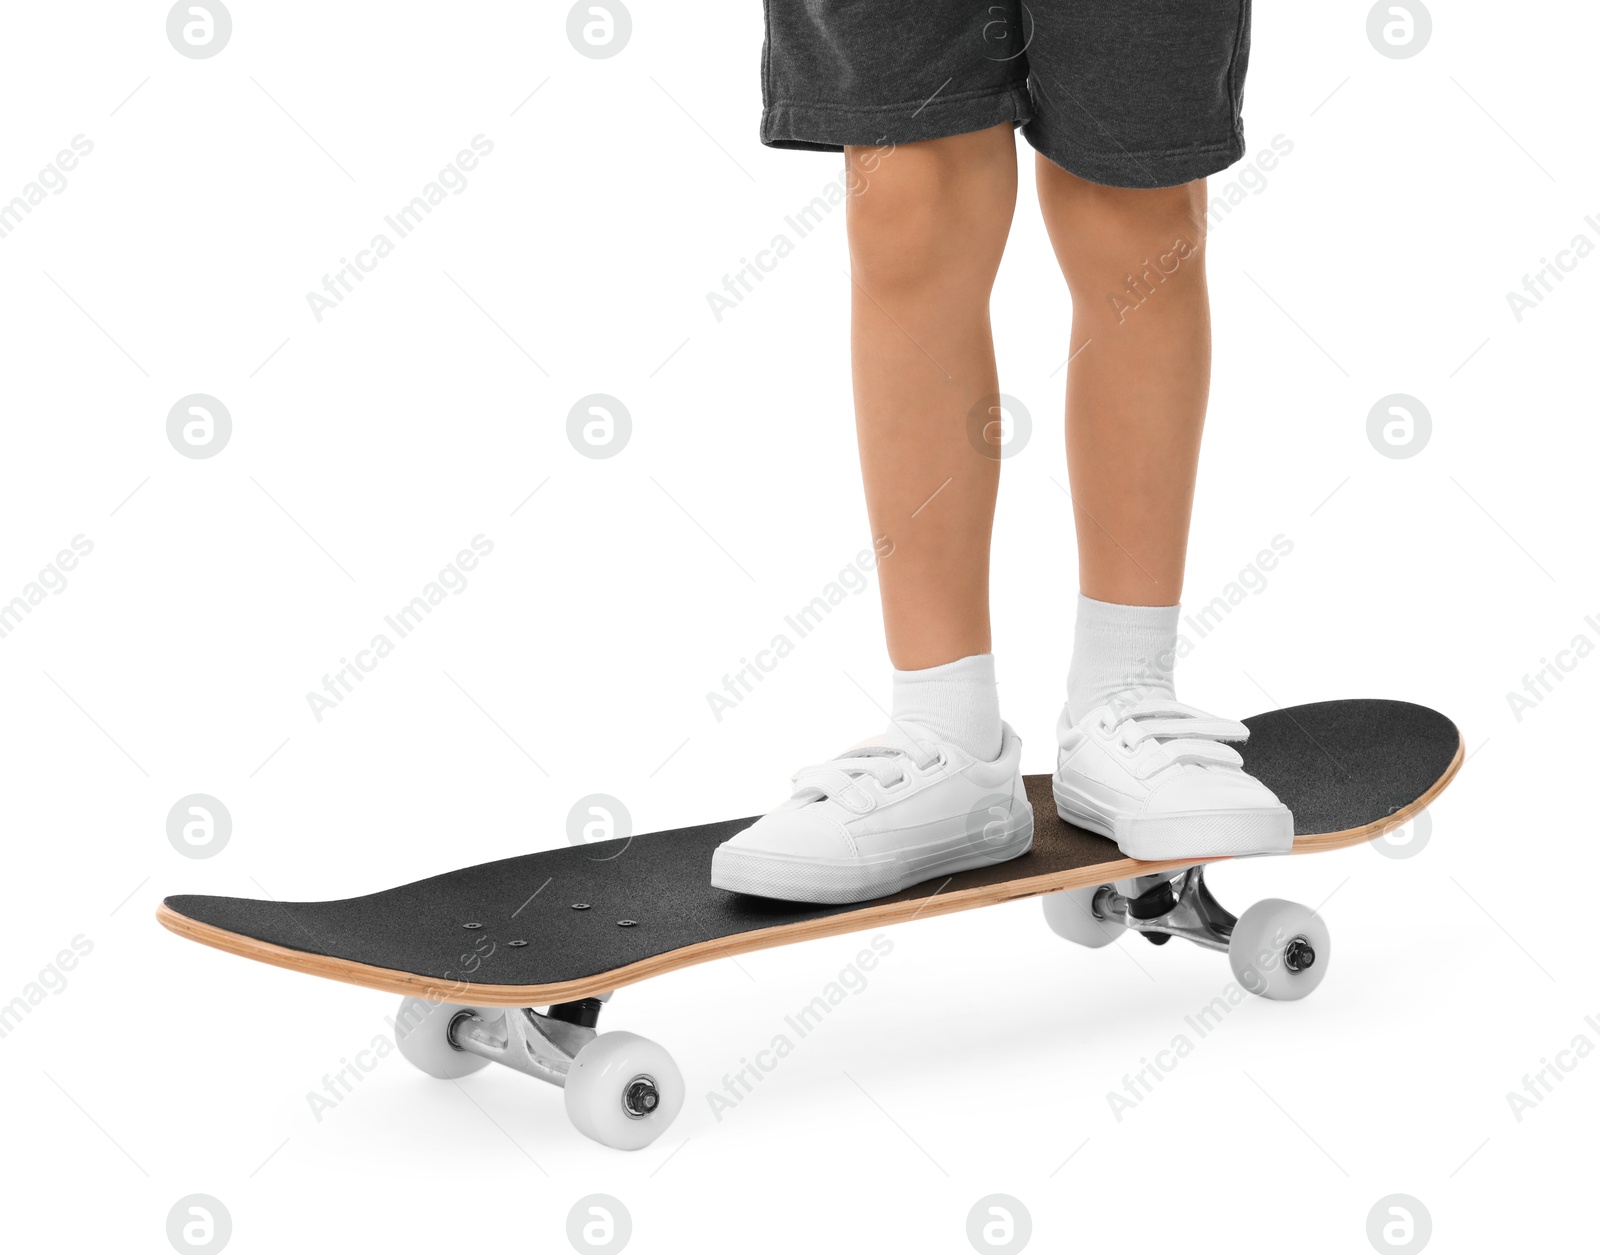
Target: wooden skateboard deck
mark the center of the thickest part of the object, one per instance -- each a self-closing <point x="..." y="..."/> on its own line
<point x="575" y="922"/>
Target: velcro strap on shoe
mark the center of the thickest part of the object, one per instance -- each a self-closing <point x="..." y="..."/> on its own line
<point x="1203" y="753"/>
<point x="1208" y="728"/>
<point x="1160" y="717"/>
<point x="838" y="779"/>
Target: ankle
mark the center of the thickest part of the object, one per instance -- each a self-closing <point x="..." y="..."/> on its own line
<point x="957" y="703"/>
<point x="1120" y="655"/>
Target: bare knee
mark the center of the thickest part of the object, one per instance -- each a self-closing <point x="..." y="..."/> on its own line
<point x="931" y="214"/>
<point x="1107" y="234"/>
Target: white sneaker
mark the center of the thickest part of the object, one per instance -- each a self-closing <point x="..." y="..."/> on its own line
<point x="880" y="818"/>
<point x="1158" y="779"/>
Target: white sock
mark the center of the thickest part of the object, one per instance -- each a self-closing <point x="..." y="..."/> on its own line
<point x="957" y="703"/>
<point x="1120" y="654"/>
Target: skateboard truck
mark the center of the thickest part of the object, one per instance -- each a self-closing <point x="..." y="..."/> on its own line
<point x="620" y="1089"/>
<point x="521" y="1038"/>
<point x="545" y="1045"/>
<point x="1277" y="949"/>
<point x="1170" y="905"/>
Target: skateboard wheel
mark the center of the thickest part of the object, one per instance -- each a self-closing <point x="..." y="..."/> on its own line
<point x="422" y="1031"/>
<point x="1279" y="949"/>
<point x="1070" y="914"/>
<point x="623" y="1090"/>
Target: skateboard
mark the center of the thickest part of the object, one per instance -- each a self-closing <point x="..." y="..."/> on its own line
<point x="512" y="961"/>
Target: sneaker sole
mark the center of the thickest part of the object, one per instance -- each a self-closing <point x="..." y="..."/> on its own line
<point x="1203" y="834"/>
<point x="1192" y="834"/>
<point x="832" y="882"/>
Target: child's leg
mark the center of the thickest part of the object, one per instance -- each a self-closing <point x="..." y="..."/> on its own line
<point x="943" y="793"/>
<point x="1137" y="385"/>
<point x="1158" y="777"/>
<point x="927" y="225"/>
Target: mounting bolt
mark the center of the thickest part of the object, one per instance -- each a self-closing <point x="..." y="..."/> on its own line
<point x="641" y="1097"/>
<point x="1298" y="955"/>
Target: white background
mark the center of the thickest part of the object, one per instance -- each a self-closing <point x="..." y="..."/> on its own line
<point x="369" y="447"/>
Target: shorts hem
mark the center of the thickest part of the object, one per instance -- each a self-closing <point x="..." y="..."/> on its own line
<point x="829" y="128"/>
<point x="1170" y="167"/>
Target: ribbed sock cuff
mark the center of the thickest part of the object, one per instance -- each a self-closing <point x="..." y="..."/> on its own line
<point x="1120" y="655"/>
<point x="957" y="702"/>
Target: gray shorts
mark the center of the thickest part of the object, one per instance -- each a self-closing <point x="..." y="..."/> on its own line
<point x="1132" y="93"/>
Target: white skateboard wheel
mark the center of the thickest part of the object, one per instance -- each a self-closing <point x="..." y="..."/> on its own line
<point x="1279" y="950"/>
<point x="623" y="1090"/>
<point x="422" y="1031"/>
<point x="1070" y="914"/>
